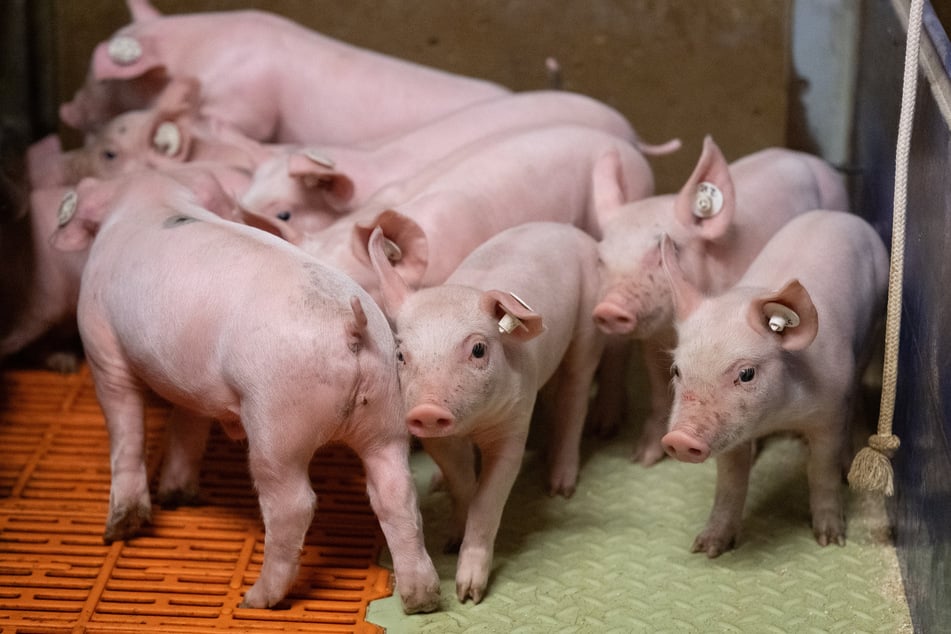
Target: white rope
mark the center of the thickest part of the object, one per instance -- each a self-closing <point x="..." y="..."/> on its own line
<point x="871" y="469"/>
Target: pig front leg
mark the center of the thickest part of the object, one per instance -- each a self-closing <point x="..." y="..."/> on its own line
<point x="501" y="461"/>
<point x="723" y="525"/>
<point x="185" y="441"/>
<point x="455" y="457"/>
<point x="393" y="498"/>
<point x="287" y="500"/>
<point x="823" y="472"/>
<point x="648" y="449"/>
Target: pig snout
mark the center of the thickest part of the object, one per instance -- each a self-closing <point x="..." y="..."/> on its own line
<point x="685" y="447"/>
<point x="614" y="319"/>
<point x="429" y="419"/>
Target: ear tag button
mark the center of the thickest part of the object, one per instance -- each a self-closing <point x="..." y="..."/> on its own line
<point x="392" y="250"/>
<point x="319" y="158"/>
<point x="67" y="208"/>
<point x="510" y="322"/>
<point x="709" y="200"/>
<point x="167" y="139"/>
<point x="780" y="317"/>
<point x="124" y="50"/>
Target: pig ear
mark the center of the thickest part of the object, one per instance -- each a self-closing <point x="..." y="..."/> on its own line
<point x="706" y="203"/>
<point x="392" y="287"/>
<point x="273" y="226"/>
<point x="317" y="172"/>
<point x="516" y="318"/>
<point x="407" y="246"/>
<point x="125" y="57"/>
<point x="686" y="296"/>
<point x="80" y="214"/>
<point x="790" y="313"/>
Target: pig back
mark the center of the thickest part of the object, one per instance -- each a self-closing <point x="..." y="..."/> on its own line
<point x="210" y="313"/>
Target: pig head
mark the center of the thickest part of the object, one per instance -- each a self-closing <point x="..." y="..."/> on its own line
<point x="718" y="222"/>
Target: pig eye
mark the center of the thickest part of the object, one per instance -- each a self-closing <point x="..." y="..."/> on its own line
<point x="747" y="374"/>
<point x="109" y="155"/>
<point x="284" y="215"/>
<point x="478" y="350"/>
<point x="675" y="372"/>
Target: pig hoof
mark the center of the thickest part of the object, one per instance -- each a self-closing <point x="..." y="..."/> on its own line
<point x="824" y="538"/>
<point x="648" y="454"/>
<point x="423" y="601"/>
<point x="62" y="362"/>
<point x="713" y="545"/>
<point x="124" y="522"/>
<point x="179" y="497"/>
<point x="466" y="591"/>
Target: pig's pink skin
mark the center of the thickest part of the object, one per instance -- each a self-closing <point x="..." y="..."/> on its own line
<point x="272" y="79"/>
<point x="311" y="364"/>
<point x="761" y="191"/>
<point x="46" y="163"/>
<point x="316" y="194"/>
<point x="440" y="215"/>
<point x="44" y="295"/>
<point x="464" y="379"/>
<point x="831" y="268"/>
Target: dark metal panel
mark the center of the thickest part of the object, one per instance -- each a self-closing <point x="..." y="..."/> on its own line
<point x="921" y="507"/>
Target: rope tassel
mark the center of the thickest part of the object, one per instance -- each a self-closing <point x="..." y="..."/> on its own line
<point x="872" y="469"/>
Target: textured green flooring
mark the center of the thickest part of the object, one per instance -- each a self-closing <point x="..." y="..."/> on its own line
<point x="615" y="557"/>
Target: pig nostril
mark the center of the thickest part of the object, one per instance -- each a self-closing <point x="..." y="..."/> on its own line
<point x="693" y="451"/>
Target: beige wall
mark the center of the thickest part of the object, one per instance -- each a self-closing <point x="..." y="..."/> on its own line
<point x="673" y="67"/>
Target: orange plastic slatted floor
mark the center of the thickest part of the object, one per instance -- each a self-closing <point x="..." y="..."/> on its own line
<point x="188" y="571"/>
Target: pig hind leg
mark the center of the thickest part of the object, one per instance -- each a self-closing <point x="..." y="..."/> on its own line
<point x="574" y="378"/>
<point x="280" y="470"/>
<point x="122" y="400"/>
<point x="393" y="498"/>
<point x="185" y="442"/>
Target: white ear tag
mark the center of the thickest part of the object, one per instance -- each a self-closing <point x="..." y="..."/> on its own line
<point x="124" y="50"/>
<point x="708" y="202"/>
<point x="392" y="250"/>
<point x="319" y="158"/>
<point x="167" y="139"/>
<point x="67" y="208"/>
<point x="780" y="317"/>
<point x="510" y="322"/>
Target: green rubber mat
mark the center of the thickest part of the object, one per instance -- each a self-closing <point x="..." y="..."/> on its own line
<point x="615" y="557"/>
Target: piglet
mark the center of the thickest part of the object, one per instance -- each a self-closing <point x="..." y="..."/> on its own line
<point x="719" y="220"/>
<point x="267" y="76"/>
<point x="309" y="187"/>
<point x="473" y="354"/>
<point x="232" y="324"/>
<point x="782" y="351"/>
<point x="434" y="219"/>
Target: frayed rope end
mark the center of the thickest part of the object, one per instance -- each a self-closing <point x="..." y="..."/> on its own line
<point x="871" y="469"/>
